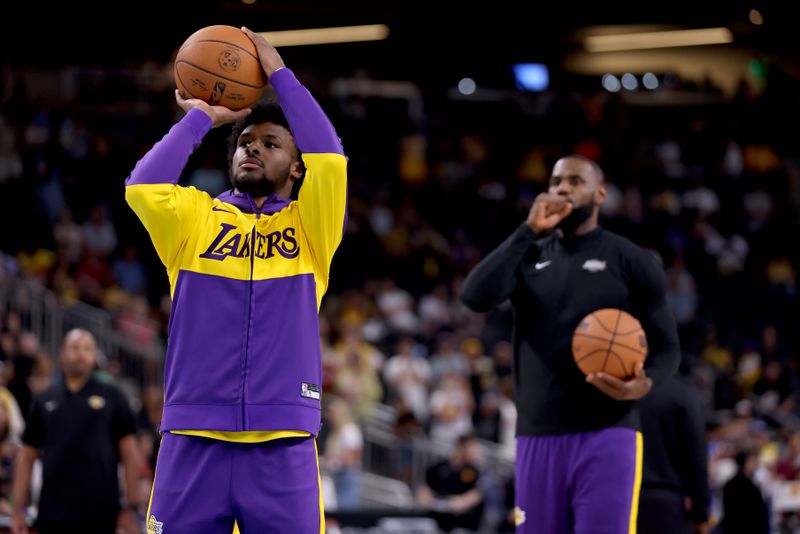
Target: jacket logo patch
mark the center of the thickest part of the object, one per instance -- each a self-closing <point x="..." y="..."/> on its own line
<point x="310" y="391"/>
<point x="154" y="526"/>
<point x="594" y="265"/>
<point x="97" y="402"/>
<point x="231" y="243"/>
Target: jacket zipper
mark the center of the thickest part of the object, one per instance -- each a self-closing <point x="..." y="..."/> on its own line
<point x="245" y="426"/>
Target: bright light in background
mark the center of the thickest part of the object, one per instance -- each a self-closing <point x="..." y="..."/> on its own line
<point x="467" y="86"/>
<point x="248" y="2"/>
<point x="650" y="81"/>
<point x="665" y="39"/>
<point x="610" y="83"/>
<point x="531" y="76"/>
<point x="756" y="18"/>
<point x="629" y="81"/>
<point x="341" y="34"/>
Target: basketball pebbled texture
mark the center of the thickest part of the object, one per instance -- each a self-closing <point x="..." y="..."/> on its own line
<point x="220" y="65"/>
<point x="609" y="340"/>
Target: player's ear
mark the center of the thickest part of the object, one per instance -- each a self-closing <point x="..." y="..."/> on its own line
<point x="297" y="169"/>
<point x="601" y="194"/>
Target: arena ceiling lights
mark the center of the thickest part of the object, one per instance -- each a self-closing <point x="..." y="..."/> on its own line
<point x="657" y="39"/>
<point x="317" y="36"/>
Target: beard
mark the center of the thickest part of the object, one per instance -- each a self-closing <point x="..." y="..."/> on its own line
<point x="579" y="215"/>
<point x="257" y="184"/>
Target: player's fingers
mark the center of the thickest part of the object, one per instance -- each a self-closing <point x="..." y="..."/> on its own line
<point x="602" y="386"/>
<point x="638" y="370"/>
<point x="611" y="381"/>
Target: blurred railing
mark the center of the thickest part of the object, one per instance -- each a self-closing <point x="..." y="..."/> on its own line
<point x="42" y="314"/>
<point x="408" y="459"/>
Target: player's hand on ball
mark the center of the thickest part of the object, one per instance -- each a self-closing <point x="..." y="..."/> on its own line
<point x="219" y="114"/>
<point x="269" y="57"/>
<point x="547" y="211"/>
<point x="632" y="389"/>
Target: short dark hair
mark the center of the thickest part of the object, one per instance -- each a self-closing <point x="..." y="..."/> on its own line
<point x="595" y="166"/>
<point x="264" y="111"/>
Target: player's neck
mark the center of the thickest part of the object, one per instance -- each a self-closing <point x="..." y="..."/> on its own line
<point x="587" y="227"/>
<point x="76" y="383"/>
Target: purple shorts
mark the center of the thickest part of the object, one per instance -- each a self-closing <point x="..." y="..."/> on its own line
<point x="203" y="485"/>
<point x="579" y="483"/>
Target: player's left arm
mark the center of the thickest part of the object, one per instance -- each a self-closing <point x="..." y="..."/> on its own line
<point x="123" y="431"/>
<point x="322" y="200"/>
<point x="649" y="305"/>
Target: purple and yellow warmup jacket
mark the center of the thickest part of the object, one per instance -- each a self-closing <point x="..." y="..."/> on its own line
<point x="243" y="352"/>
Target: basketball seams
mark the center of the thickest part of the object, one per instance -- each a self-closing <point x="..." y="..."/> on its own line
<point x="605" y="340"/>
<point x="589" y="355"/>
<point x="621" y="362"/>
<point x="220" y="76"/>
<point x="600" y="323"/>
<point x="597" y="346"/>
<point x="246" y="51"/>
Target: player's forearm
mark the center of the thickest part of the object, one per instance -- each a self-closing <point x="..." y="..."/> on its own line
<point x="313" y="132"/>
<point x="132" y="462"/>
<point x="164" y="162"/>
<point x="492" y="280"/>
<point x="662" y="338"/>
<point x="23" y="467"/>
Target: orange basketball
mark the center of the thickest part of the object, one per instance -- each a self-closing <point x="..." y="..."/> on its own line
<point x="219" y="64"/>
<point x="609" y="340"/>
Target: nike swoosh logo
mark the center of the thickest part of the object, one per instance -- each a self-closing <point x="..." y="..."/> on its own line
<point x="539" y="266"/>
<point x="214" y="208"/>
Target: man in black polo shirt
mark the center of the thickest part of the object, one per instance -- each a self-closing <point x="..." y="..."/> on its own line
<point x="452" y="488"/>
<point x="81" y="428"/>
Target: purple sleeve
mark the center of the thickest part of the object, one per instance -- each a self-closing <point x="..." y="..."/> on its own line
<point x="313" y="132"/>
<point x="164" y="162"/>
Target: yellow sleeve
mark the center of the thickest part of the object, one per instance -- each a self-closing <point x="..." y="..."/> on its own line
<point x="321" y="203"/>
<point x="169" y="213"/>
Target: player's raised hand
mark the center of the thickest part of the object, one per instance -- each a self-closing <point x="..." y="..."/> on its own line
<point x="270" y="58"/>
<point x="219" y="114"/>
<point x="632" y="389"/>
<point x="547" y="211"/>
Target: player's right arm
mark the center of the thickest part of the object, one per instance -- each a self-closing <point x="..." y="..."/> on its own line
<point x="167" y="210"/>
<point x="493" y="280"/>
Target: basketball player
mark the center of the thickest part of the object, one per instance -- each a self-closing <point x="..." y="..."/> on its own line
<point x="247" y="272"/>
<point x="579" y="451"/>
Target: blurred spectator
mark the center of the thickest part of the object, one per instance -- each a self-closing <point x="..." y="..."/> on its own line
<point x="343" y="451"/>
<point x="452" y="489"/>
<point x="9" y="444"/>
<point x="408" y="378"/>
<point x="68" y="237"/>
<point x="447" y="359"/>
<point x="452" y="406"/>
<point x="744" y="508"/>
<point x="82" y="429"/>
<point x="129" y="272"/>
<point x="99" y="234"/>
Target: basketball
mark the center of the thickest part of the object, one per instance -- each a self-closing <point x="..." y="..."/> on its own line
<point x="611" y="341"/>
<point x="219" y="64"/>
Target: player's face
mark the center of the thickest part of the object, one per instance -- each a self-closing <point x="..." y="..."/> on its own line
<point x="577" y="181"/>
<point x="266" y="160"/>
<point x="78" y="354"/>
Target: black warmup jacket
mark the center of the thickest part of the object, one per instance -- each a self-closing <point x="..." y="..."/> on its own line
<point x="553" y="282"/>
